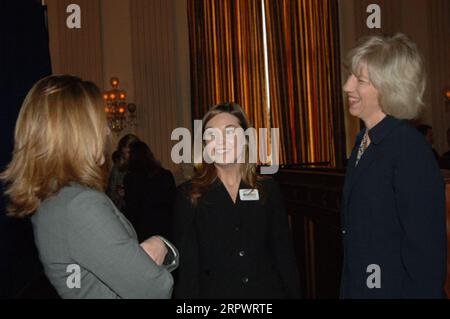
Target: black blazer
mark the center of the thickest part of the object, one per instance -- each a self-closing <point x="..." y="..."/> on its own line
<point x="149" y="203"/>
<point x="229" y="250"/>
<point x="393" y="216"/>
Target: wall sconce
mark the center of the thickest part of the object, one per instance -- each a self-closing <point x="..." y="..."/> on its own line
<point x="447" y="94"/>
<point x="119" y="113"/>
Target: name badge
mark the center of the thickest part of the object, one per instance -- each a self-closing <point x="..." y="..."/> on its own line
<point x="248" y="194"/>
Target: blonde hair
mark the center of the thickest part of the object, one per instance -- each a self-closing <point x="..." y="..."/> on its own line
<point x="60" y="138"/>
<point x="396" y="69"/>
<point x="206" y="174"/>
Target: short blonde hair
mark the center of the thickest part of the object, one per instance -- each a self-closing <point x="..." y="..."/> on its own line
<point x="60" y="138"/>
<point x="396" y="69"/>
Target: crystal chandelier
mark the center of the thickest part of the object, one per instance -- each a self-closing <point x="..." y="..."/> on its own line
<point x="119" y="113"/>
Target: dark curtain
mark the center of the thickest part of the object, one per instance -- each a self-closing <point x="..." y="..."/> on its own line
<point x="305" y="87"/>
<point x="227" y="64"/>
<point x="24" y="59"/>
<point x="227" y="57"/>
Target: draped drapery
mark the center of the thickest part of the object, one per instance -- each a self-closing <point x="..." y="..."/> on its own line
<point x="305" y="89"/>
<point x="227" y="57"/>
<point x="304" y="99"/>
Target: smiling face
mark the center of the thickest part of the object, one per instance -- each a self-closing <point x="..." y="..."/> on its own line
<point x="362" y="95"/>
<point x="224" y="139"/>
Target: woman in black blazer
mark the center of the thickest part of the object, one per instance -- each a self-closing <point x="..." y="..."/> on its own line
<point x="231" y="225"/>
<point x="393" y="214"/>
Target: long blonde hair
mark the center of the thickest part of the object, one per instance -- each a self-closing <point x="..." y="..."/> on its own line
<point x="206" y="174"/>
<point x="60" y="138"/>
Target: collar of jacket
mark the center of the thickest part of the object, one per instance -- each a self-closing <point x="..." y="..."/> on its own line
<point x="382" y="129"/>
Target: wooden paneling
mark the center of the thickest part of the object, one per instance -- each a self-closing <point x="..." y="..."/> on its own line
<point x="313" y="202"/>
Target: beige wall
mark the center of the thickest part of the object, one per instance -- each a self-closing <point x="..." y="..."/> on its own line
<point x="143" y="42"/>
<point x="76" y="51"/>
<point x="427" y="22"/>
<point x="160" y="50"/>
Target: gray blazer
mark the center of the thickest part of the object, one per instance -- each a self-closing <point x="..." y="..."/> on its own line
<point x="81" y="229"/>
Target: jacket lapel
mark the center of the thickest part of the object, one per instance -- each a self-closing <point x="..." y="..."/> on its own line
<point x="351" y="168"/>
<point x="377" y="134"/>
<point x="364" y="163"/>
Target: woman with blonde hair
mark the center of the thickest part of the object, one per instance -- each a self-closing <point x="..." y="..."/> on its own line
<point x="393" y="210"/>
<point x="57" y="176"/>
<point x="231" y="226"/>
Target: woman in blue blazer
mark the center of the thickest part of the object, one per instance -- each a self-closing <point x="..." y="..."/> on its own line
<point x="393" y="213"/>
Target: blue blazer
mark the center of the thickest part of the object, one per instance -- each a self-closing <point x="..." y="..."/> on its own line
<point x="393" y="217"/>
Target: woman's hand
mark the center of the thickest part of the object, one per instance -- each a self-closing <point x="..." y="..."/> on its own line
<point x="156" y="249"/>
